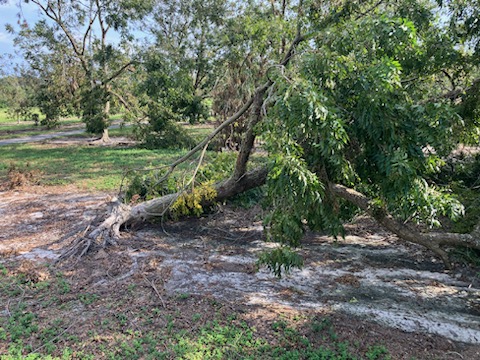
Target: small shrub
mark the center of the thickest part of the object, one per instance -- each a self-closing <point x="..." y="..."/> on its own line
<point x="170" y="136"/>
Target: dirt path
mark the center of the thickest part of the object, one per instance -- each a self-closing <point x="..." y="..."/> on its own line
<point x="369" y="276"/>
<point x="43" y="137"/>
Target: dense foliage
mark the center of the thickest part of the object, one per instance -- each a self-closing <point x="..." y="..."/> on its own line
<point x="363" y="106"/>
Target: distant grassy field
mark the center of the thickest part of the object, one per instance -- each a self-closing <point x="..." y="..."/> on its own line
<point x="4" y="116"/>
<point x="90" y="167"/>
<point x="10" y="129"/>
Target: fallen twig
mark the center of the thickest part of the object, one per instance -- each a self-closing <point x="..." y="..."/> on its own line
<point x="152" y="284"/>
<point x="51" y="340"/>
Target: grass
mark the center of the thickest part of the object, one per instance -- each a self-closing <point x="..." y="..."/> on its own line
<point x="85" y="166"/>
<point x="4" y="117"/>
<point x="101" y="167"/>
<point x="89" y="167"/>
<point x="49" y="320"/>
<point x="13" y="130"/>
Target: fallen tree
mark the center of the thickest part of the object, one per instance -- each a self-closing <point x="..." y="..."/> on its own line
<point x="437" y="242"/>
<point x="356" y="122"/>
<point x="121" y="214"/>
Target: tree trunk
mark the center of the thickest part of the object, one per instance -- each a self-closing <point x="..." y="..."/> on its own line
<point x="121" y="214"/>
<point x="106" y="114"/>
<point x="432" y="241"/>
<point x="105" y="137"/>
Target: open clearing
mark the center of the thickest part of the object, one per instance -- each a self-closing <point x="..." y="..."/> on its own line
<point x="373" y="289"/>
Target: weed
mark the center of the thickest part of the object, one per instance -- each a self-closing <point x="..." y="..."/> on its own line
<point x="467" y="256"/>
<point x="64" y="286"/>
<point x="170" y="325"/>
<point x="88" y="298"/>
<point x="122" y="319"/>
<point x="318" y="326"/>
<point x="21" y="324"/>
<point x="279" y="325"/>
<point x="183" y="296"/>
<point x="377" y="352"/>
<point x="156" y="311"/>
<point x="3" y="270"/>
<point x="3" y="334"/>
<point x="42" y="285"/>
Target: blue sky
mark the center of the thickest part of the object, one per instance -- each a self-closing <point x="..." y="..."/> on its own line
<point x="9" y="15"/>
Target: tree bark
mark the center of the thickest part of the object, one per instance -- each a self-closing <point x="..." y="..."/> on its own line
<point x="433" y="241"/>
<point x="224" y="189"/>
<point x="105" y="136"/>
<point x="249" y="137"/>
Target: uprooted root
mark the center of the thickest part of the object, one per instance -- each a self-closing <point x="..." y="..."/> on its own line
<point x="105" y="234"/>
<point x="82" y="245"/>
<point x="76" y="250"/>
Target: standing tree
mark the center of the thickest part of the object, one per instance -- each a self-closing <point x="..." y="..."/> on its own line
<point x="57" y="70"/>
<point x="253" y="39"/>
<point x="18" y="89"/>
<point x="181" y="64"/>
<point x="86" y="32"/>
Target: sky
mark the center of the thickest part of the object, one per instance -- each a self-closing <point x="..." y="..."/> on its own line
<point x="9" y="15"/>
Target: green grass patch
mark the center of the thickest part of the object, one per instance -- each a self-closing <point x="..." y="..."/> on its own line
<point x="103" y="167"/>
<point x="4" y="117"/>
<point x="24" y="129"/>
<point x="10" y="129"/>
<point x="27" y="132"/>
<point x="90" y="167"/>
<point x="199" y="131"/>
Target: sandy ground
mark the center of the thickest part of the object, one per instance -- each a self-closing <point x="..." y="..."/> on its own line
<point x="368" y="277"/>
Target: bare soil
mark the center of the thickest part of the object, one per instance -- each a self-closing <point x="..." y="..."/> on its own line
<point x="371" y="287"/>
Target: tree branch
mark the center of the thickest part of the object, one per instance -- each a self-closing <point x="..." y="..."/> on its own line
<point x="87" y="32"/>
<point x="433" y="241"/>
<point x="454" y="94"/>
<point x="362" y="14"/>
<point x="118" y="72"/>
<point x="56" y="17"/>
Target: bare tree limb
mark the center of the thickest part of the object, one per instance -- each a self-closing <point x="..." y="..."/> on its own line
<point x="56" y="17"/>
<point x="88" y="31"/>
<point x="118" y="72"/>
<point x="454" y="94"/>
